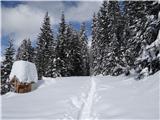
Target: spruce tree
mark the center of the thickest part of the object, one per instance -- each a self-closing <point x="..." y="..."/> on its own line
<point x="96" y="45"/>
<point x="61" y="49"/>
<point x="118" y="36"/>
<point x="25" y="51"/>
<point x="51" y="68"/>
<point x="45" y="50"/>
<point x="76" y="57"/>
<point x="84" y="50"/>
<point x="102" y="39"/>
<point x="114" y="47"/>
<point x="68" y="46"/>
<point x="134" y="29"/>
<point x="69" y="58"/>
<point x="6" y="67"/>
<point x="100" y="46"/>
<point x="72" y="50"/>
<point x="148" y="55"/>
<point x="103" y="44"/>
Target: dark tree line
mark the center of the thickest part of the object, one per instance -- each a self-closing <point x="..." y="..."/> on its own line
<point x="66" y="55"/>
<point x="120" y="37"/>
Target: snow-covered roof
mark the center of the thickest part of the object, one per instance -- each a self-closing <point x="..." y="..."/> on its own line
<point x="25" y="71"/>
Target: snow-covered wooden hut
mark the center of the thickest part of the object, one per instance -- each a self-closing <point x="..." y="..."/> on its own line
<point x="23" y="75"/>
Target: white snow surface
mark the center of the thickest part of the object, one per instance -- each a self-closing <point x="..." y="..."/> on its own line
<point x="86" y="98"/>
<point x="25" y="71"/>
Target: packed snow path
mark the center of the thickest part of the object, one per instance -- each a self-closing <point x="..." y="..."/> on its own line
<point x="86" y="98"/>
<point x="87" y="105"/>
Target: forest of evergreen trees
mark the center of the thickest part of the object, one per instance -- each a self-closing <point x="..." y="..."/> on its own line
<point x="119" y="37"/>
<point x="123" y="38"/>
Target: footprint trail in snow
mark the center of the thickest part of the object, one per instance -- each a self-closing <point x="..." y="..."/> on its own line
<point x="85" y="113"/>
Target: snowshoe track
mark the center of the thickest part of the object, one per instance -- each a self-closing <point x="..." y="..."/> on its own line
<point x="86" y="109"/>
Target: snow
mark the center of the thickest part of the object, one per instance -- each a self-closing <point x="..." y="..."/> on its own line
<point x="144" y="71"/>
<point x="86" y="98"/>
<point x="87" y="105"/>
<point x="125" y="98"/>
<point x="155" y="43"/>
<point x="25" y="71"/>
<point x="2" y="58"/>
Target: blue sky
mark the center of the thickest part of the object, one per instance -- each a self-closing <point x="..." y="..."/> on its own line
<point x="22" y="20"/>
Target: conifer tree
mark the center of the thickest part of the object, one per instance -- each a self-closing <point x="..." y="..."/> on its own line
<point x="96" y="45"/>
<point x="118" y="36"/>
<point x="72" y="51"/>
<point x="45" y="50"/>
<point x="103" y="43"/>
<point x="6" y="67"/>
<point x="100" y="45"/>
<point x="148" y="55"/>
<point x="61" y="49"/>
<point x="109" y="27"/>
<point x="134" y="29"/>
<point x="69" y="56"/>
<point x="84" y="50"/>
<point x="25" y="51"/>
<point x="69" y="47"/>
<point x="116" y="45"/>
<point x="76" y="57"/>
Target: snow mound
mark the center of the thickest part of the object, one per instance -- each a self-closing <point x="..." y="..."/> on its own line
<point x="25" y="71"/>
<point x="45" y="82"/>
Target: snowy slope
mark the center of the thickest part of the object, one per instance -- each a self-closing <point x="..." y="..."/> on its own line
<point x="53" y="100"/>
<point x="125" y="98"/>
<point x="82" y="98"/>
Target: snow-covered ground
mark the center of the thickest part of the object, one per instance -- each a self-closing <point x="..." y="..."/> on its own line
<point x="86" y="98"/>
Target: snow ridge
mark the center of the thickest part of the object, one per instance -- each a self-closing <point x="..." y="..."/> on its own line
<point x="87" y="106"/>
